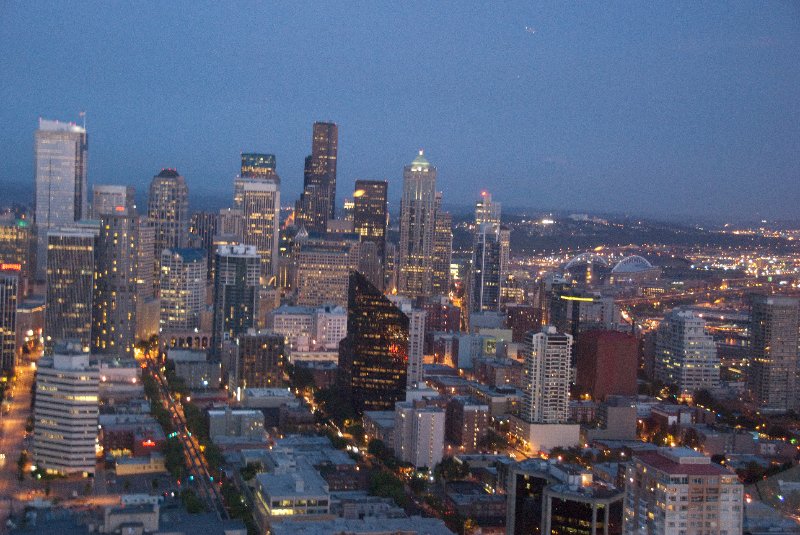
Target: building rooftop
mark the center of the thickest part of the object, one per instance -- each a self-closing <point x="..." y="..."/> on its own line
<point x="268" y="393"/>
<point x="681" y="461"/>
<point x="304" y="481"/>
<point x="168" y="173"/>
<point x="414" y="525"/>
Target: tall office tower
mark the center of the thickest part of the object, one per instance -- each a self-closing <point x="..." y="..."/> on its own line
<point x="65" y="414"/>
<point x="371" y="213"/>
<point x="686" y="354"/>
<point x="18" y="249"/>
<point x="772" y="377"/>
<point x="417" y="225"/>
<point x="485" y="274"/>
<point x="317" y="203"/>
<point x="183" y="289"/>
<point x="168" y="208"/>
<point x="258" y="165"/>
<point x="236" y="283"/>
<point x="505" y="251"/>
<point x="693" y="496"/>
<point x="70" y="285"/>
<point x="145" y="278"/>
<point x="203" y="228"/>
<point x="486" y="210"/>
<point x="260" y="360"/>
<point x="574" y="312"/>
<point x="115" y="285"/>
<point x="261" y="206"/>
<point x="9" y="298"/>
<point x="110" y="199"/>
<point x="374" y="356"/>
<point x="545" y="398"/>
<point x="60" y="152"/>
<point x="607" y="362"/>
<point x="442" y="249"/>
<point x="419" y="433"/>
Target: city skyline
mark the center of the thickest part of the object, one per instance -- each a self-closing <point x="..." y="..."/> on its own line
<point x="668" y="112"/>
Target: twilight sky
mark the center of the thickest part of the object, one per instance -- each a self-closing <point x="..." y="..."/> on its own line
<point x="668" y="110"/>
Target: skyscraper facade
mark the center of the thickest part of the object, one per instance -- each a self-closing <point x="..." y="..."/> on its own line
<point x="60" y="152"/>
<point x="485" y="280"/>
<point x="70" y="285"/>
<point x="236" y="283"/>
<point x="110" y="199"/>
<point x="373" y="358"/>
<point x="18" y="249"/>
<point x="168" y="209"/>
<point x="9" y="297"/>
<point x="260" y="360"/>
<point x="258" y="165"/>
<point x="686" y="355"/>
<point x="417" y="224"/>
<point x="317" y="203"/>
<point x="115" y="285"/>
<point x="442" y="249"/>
<point x="261" y="206"/>
<point x="202" y="229"/>
<point x="183" y="289"/>
<point x="547" y="373"/>
<point x="371" y="212"/>
<point x="486" y="210"/>
<point x="772" y="376"/>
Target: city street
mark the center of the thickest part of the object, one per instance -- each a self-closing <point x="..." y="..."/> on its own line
<point x="12" y="438"/>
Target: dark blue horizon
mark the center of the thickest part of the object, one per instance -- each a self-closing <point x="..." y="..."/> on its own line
<point x="681" y="109"/>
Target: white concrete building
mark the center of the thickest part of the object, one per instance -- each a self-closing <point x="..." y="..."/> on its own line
<point x="419" y="433"/>
<point x="65" y="414"/>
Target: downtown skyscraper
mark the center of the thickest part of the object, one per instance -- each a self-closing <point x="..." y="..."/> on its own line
<point x="317" y="203"/>
<point x="116" y="284"/>
<point x="236" y="283"/>
<point x="168" y="209"/>
<point x="60" y="152"/>
<point x="417" y="226"/>
<point x="72" y="255"/>
<point x="485" y="280"/>
<point x="371" y="213"/>
<point x="261" y="207"/>
<point x="772" y="377"/>
<point x="442" y="249"/>
<point x="9" y="299"/>
<point x="373" y="358"/>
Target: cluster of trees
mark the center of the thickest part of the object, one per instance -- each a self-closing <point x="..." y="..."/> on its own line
<point x="388" y="485"/>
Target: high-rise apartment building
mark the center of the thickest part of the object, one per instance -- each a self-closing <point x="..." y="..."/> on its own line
<point x="116" y="285"/>
<point x="65" y="414"/>
<point x="183" y="289"/>
<point x="317" y="203"/>
<point x="60" y="152"/>
<point x="70" y="285"/>
<point x="547" y="372"/>
<point x="261" y="206"/>
<point x="110" y="199"/>
<point x="373" y="358"/>
<point x="485" y="280"/>
<point x="417" y="225"/>
<point x="371" y="212"/>
<point x="679" y="491"/>
<point x="419" y="433"/>
<point x="18" y="249"/>
<point x="9" y="299"/>
<point x="259" y="360"/>
<point x="773" y="373"/>
<point x="468" y="422"/>
<point x="168" y="209"/>
<point x="236" y="284"/>
<point x="146" y="253"/>
<point x="686" y="355"/>
<point x="442" y="249"/>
